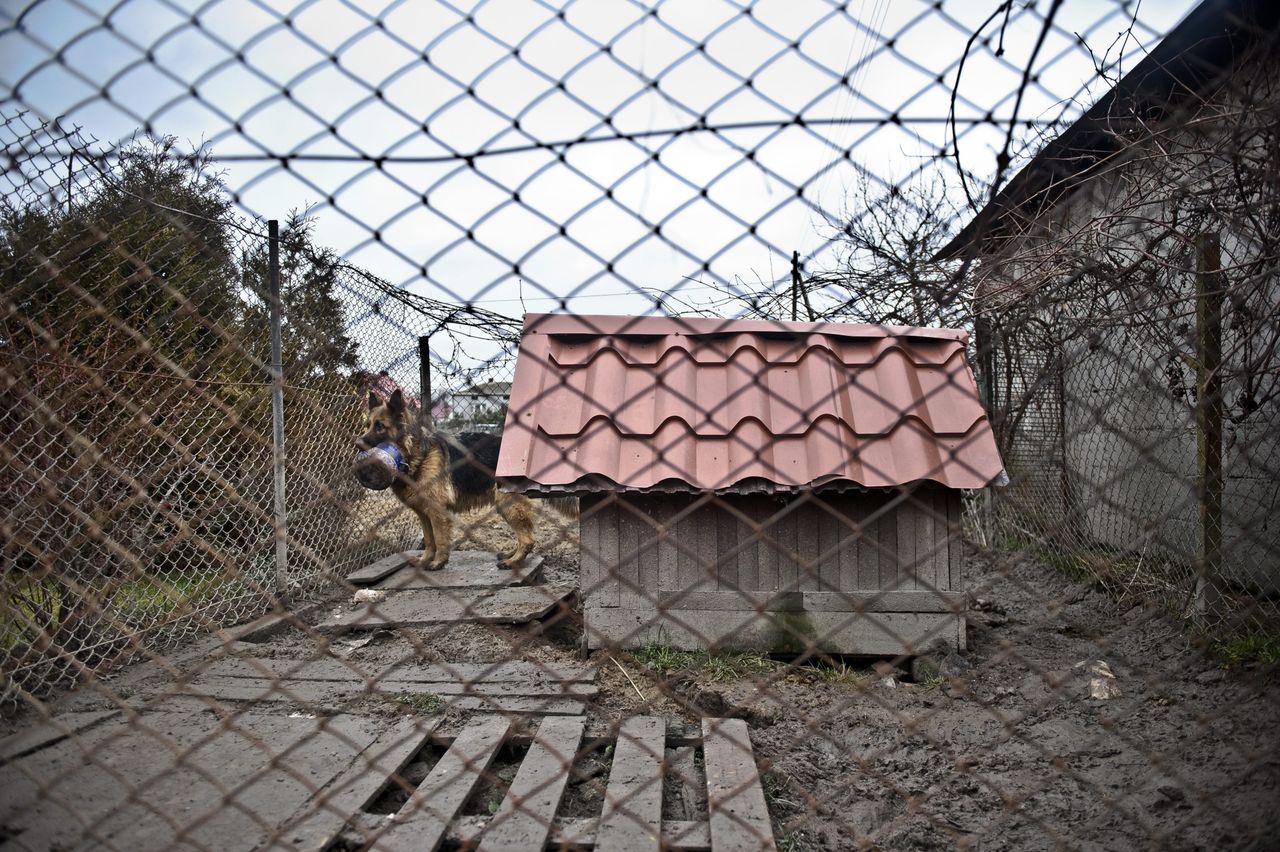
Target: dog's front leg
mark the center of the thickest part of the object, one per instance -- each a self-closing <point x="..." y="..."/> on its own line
<point x="428" y="538"/>
<point x="441" y="525"/>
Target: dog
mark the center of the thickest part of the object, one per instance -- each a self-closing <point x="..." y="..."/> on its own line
<point x="448" y="474"/>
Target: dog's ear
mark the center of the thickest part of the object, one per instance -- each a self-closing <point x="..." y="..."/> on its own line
<point x="374" y="402"/>
<point x="396" y="403"/>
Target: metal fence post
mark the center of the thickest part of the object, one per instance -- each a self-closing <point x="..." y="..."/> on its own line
<point x="277" y="410"/>
<point x="1208" y="421"/>
<point x="424" y="379"/>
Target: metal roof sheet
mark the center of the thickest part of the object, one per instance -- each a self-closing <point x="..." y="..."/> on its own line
<point x="656" y="403"/>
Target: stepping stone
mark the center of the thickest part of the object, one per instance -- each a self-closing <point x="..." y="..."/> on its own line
<point x="384" y="567"/>
<point x="510" y="687"/>
<point x="513" y="671"/>
<point x="48" y="733"/>
<point x="468" y="569"/>
<point x="417" y="608"/>
<point x="209" y="783"/>
<point x="465" y="569"/>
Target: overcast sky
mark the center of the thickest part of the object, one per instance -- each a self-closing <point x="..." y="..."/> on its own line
<point x="424" y="84"/>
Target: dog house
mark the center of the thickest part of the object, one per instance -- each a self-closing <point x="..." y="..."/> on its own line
<point x="750" y="484"/>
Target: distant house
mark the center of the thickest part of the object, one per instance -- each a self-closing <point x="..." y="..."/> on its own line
<point x="480" y="399"/>
<point x="757" y="485"/>
<point x="382" y="386"/>
<point x="480" y="407"/>
<point x="1126" y="293"/>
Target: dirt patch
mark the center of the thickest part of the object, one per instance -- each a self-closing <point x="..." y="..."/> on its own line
<point x="1013" y="754"/>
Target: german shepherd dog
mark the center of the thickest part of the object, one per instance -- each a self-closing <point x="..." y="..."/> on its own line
<point x="447" y="474"/>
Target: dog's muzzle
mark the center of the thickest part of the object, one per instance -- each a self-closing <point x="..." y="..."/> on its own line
<point x="377" y="468"/>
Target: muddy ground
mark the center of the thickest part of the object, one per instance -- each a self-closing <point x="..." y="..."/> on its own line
<point x="1002" y="749"/>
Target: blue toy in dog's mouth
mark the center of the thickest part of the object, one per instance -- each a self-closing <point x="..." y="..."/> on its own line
<point x="376" y="469"/>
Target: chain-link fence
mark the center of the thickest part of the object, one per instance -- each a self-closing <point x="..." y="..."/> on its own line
<point x="1128" y="312"/>
<point x="661" y="430"/>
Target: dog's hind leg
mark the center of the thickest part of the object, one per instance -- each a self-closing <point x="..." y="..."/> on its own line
<point x="517" y="511"/>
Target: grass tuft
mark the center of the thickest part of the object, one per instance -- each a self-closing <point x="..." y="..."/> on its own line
<point x="1254" y="647"/>
<point x="715" y="667"/>
<point x="420" y="703"/>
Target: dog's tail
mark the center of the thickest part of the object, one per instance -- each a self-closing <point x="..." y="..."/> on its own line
<point x="567" y="506"/>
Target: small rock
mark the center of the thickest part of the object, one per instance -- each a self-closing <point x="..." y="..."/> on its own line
<point x="1172" y="793"/>
<point x="369" y="596"/>
<point x="954" y="665"/>
<point x="1102" y="683"/>
<point x="986" y="605"/>
<point x="708" y="702"/>
<point x="1211" y="676"/>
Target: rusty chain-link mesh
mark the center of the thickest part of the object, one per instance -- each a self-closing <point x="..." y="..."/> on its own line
<point x="881" y="400"/>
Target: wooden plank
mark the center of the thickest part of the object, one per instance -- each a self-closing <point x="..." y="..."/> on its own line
<point x="515" y="605"/>
<point x="926" y="539"/>
<point x="708" y="532"/>
<point x="317" y="823"/>
<point x="50" y="732"/>
<point x="608" y="551"/>
<point x="728" y="540"/>
<point x="828" y="546"/>
<point x="476" y="571"/>
<point x="890" y="567"/>
<point x="886" y="633"/>
<point x="749" y="545"/>
<point x="918" y="600"/>
<point x="331" y="694"/>
<point x="632" y="816"/>
<point x="851" y="512"/>
<point x="921" y="600"/>
<point x="868" y="547"/>
<point x="807" y="544"/>
<point x="735" y="800"/>
<point x="906" y="514"/>
<point x="215" y="685"/>
<point x="403" y="670"/>
<point x="788" y="542"/>
<point x="677" y="834"/>
<point x="668" y="553"/>
<point x="742" y="601"/>
<point x="205" y="764"/>
<point x="527" y="813"/>
<point x="767" y="554"/>
<point x="647" y="543"/>
<point x="626" y="566"/>
<point x="687" y="533"/>
<point x="384" y="567"/>
<point x="422" y="821"/>
<point x="955" y="552"/>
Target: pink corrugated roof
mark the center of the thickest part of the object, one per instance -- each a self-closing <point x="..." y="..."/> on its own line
<point x="657" y="403"/>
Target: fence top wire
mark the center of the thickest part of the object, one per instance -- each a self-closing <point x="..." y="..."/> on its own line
<point x="803" y="76"/>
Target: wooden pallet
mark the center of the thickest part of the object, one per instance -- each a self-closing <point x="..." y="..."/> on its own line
<point x="631" y="817"/>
